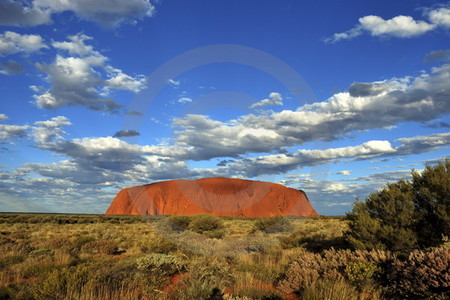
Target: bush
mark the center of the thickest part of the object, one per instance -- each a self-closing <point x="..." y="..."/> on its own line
<point x="432" y="200"/>
<point x="205" y="276"/>
<point x="100" y="247"/>
<point x="273" y="224"/>
<point x="404" y="215"/>
<point x="61" y="282"/>
<point x="162" y="264"/>
<point x="325" y="289"/>
<point x="159" y="244"/>
<point x="330" y="265"/>
<point x="178" y="223"/>
<point x="206" y="222"/>
<point x="385" y="220"/>
<point x="361" y="272"/>
<point x="421" y="274"/>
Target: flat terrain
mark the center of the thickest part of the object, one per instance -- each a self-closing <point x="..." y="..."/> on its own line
<point x="61" y="256"/>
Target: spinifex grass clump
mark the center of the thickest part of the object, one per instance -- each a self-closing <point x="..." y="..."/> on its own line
<point x="273" y="224"/>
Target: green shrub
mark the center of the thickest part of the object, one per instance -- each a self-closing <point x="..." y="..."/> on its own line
<point x="361" y="272"/>
<point x="325" y="289"/>
<point x="206" y="222"/>
<point x="161" y="264"/>
<point x="273" y="224"/>
<point x="404" y="215"/>
<point x="260" y="243"/>
<point x="80" y="241"/>
<point x="205" y="276"/>
<point x="385" y="220"/>
<point x="421" y="274"/>
<point x="100" y="247"/>
<point x="159" y="244"/>
<point x="432" y="200"/>
<point x="61" y="282"/>
<point x="178" y="223"/>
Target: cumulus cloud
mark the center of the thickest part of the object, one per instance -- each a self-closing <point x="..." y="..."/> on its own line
<point x="18" y="13"/>
<point x="440" y="17"/>
<point x="11" y="67"/>
<point x="400" y="26"/>
<point x="282" y="163"/>
<point x="126" y="133"/>
<point x="365" y="106"/>
<point x="24" y="13"/>
<point x="340" y="195"/>
<point x="9" y="133"/>
<point x="438" y="55"/>
<point x="51" y="130"/>
<point x="79" y="80"/>
<point x="12" y="42"/>
<point x="12" y="132"/>
<point x="273" y="99"/>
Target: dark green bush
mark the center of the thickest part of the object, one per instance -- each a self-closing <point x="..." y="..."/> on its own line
<point x="404" y="215"/>
<point x="273" y="224"/>
<point x="205" y="222"/>
<point x="178" y="223"/>
<point x="432" y="200"/>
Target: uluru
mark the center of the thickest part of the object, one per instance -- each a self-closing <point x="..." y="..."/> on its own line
<point x="218" y="196"/>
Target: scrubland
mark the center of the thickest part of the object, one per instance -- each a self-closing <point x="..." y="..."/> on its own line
<point x="45" y="256"/>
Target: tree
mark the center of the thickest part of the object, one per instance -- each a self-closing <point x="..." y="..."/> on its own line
<point x="406" y="214"/>
<point x="385" y="220"/>
<point x="432" y="201"/>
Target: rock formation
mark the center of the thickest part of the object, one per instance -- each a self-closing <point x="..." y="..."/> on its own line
<point x="217" y="196"/>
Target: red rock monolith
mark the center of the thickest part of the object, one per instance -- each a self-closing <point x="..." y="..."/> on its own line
<point x="218" y="196"/>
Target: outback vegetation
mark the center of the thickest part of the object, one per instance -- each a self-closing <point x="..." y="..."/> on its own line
<point x="383" y="249"/>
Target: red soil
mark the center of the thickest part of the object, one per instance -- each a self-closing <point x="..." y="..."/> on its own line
<point x="217" y="196"/>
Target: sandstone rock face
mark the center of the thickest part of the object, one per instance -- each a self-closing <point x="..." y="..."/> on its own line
<point x="217" y="196"/>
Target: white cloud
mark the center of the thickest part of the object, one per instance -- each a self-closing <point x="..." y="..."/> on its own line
<point x="48" y="131"/>
<point x="345" y="172"/>
<point x="440" y="17"/>
<point x="400" y="26"/>
<point x="365" y="106"/>
<point x="273" y="99"/>
<point x="12" y="132"/>
<point x="174" y="83"/>
<point x="76" y="46"/>
<point x="24" y="13"/>
<point x="121" y="81"/>
<point x="16" y="13"/>
<point x="79" y="80"/>
<point x="12" y="42"/>
<point x="184" y="100"/>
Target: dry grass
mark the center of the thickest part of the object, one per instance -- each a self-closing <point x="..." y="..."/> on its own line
<point x="97" y="257"/>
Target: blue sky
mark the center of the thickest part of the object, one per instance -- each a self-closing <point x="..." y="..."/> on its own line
<point x="333" y="97"/>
